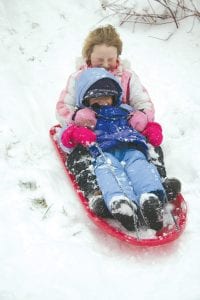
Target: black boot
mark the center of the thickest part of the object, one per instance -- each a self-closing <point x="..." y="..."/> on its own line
<point x="123" y="211"/>
<point x="172" y="187"/>
<point x="152" y="209"/>
<point x="98" y="206"/>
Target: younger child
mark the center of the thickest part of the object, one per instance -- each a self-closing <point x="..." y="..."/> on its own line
<point x="128" y="181"/>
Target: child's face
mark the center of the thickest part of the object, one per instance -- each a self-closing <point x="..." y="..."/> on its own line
<point x="104" y="56"/>
<point x="102" y="101"/>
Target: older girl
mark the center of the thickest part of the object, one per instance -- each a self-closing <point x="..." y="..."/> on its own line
<point x="102" y="48"/>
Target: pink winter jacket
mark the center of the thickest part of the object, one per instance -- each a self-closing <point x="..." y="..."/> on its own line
<point x="134" y="94"/>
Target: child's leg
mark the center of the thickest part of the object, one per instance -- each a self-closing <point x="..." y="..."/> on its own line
<point x="172" y="186"/>
<point x="112" y="179"/>
<point x="79" y="163"/>
<point x="148" y="187"/>
<point x="157" y="158"/>
<point x="142" y="174"/>
<point x="116" y="188"/>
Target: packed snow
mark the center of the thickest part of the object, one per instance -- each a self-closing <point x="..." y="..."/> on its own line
<point x="49" y="248"/>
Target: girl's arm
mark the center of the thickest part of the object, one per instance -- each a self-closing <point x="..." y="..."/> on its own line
<point x="65" y="106"/>
<point x="138" y="95"/>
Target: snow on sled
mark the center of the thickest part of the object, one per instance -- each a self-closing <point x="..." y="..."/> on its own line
<point x="174" y="221"/>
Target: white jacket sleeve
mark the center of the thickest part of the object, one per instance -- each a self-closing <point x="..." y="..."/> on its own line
<point x="138" y="95"/>
<point x="65" y="106"/>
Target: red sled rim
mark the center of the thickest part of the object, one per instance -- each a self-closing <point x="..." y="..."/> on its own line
<point x="164" y="236"/>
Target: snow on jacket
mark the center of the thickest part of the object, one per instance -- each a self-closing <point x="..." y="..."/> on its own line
<point x="112" y="127"/>
<point x="134" y="93"/>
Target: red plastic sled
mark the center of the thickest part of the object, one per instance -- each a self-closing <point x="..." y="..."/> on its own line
<point x="168" y="234"/>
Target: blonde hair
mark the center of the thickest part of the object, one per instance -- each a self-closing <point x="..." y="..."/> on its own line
<point x="102" y="35"/>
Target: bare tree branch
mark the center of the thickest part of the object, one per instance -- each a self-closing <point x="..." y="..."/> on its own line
<point x="172" y="12"/>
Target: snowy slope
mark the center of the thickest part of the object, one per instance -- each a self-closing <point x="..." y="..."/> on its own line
<point x="49" y="247"/>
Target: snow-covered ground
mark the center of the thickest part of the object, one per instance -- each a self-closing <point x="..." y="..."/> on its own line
<point x="49" y="249"/>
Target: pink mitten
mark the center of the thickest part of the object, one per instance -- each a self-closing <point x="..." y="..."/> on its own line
<point x="66" y="137"/>
<point x="138" y="120"/>
<point x="150" y="114"/>
<point x="83" y="136"/>
<point x="75" y="135"/>
<point x="153" y="133"/>
<point x="85" y="117"/>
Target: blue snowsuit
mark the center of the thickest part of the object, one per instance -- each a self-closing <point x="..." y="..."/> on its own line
<point x="122" y="168"/>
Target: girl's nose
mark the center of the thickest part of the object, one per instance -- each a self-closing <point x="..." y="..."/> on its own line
<point x="105" y="65"/>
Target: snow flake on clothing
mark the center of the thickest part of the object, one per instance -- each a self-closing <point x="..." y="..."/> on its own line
<point x="112" y="129"/>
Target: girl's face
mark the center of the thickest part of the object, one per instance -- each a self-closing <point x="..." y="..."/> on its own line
<point x="102" y="101"/>
<point x="104" y="56"/>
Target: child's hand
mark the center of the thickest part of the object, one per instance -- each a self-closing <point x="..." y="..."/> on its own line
<point x="153" y="133"/>
<point x="139" y="119"/>
<point x="85" y="117"/>
<point x="75" y="135"/>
